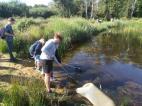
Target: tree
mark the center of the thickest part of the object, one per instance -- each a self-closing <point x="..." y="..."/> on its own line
<point x="133" y="7"/>
<point x="20" y="9"/>
<point x="40" y="11"/>
<point x="138" y="9"/>
<point x="67" y="8"/>
<point x="85" y="8"/>
<point x="13" y="9"/>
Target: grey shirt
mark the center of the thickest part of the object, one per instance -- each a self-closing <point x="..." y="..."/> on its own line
<point x="48" y="51"/>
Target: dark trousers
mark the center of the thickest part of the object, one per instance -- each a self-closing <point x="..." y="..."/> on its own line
<point x="9" y="40"/>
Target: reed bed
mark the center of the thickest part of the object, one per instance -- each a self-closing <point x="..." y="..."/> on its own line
<point x="74" y="30"/>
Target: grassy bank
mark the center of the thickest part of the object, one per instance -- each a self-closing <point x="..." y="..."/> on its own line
<point x="31" y="92"/>
<point x="130" y="30"/>
<point x="74" y="31"/>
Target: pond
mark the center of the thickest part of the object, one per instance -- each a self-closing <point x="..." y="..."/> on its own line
<point x="114" y="63"/>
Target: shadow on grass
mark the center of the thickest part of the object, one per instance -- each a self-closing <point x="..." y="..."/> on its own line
<point x="7" y="68"/>
<point x="24" y="62"/>
<point x="12" y="78"/>
<point x="4" y="60"/>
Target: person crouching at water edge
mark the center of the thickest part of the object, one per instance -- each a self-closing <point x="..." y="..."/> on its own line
<point x="48" y="56"/>
<point x="35" y="52"/>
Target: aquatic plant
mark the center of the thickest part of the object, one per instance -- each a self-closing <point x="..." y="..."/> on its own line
<point x="125" y="101"/>
<point x="129" y="30"/>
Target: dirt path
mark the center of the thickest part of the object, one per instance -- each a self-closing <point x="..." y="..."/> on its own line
<point x="8" y="70"/>
<point x="21" y="69"/>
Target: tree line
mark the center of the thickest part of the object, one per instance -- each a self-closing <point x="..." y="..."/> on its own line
<point x="15" y="8"/>
<point x="67" y="8"/>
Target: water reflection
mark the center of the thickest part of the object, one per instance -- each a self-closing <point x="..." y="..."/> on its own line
<point x="114" y="61"/>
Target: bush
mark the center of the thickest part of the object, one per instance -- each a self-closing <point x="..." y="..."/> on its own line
<point x="24" y="24"/>
<point x="40" y="11"/>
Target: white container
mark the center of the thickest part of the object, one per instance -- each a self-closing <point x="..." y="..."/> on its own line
<point x="94" y="95"/>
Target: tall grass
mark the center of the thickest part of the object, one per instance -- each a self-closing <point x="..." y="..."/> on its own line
<point x="3" y="46"/>
<point x="15" y="97"/>
<point x="31" y="92"/>
<point x="130" y="30"/>
<point x="74" y="31"/>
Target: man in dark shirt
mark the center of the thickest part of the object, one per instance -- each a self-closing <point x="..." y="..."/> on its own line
<point x="9" y="37"/>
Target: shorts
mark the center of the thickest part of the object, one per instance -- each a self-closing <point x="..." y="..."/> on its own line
<point x="47" y="66"/>
<point x="37" y="58"/>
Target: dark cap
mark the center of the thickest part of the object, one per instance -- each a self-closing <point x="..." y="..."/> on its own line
<point x="11" y="19"/>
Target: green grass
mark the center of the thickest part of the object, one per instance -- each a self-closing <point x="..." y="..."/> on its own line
<point x="130" y="30"/>
<point x="3" y="46"/>
<point x="74" y="30"/>
<point x="31" y="92"/>
<point x="125" y="101"/>
<point x="15" y="96"/>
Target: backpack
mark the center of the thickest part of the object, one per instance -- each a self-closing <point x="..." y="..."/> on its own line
<point x="2" y="33"/>
<point x="32" y="48"/>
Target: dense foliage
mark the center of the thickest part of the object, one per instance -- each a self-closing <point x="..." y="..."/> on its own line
<point x="29" y="30"/>
<point x="13" y="9"/>
<point x="40" y="11"/>
<point x="67" y="8"/>
<point x="21" y="9"/>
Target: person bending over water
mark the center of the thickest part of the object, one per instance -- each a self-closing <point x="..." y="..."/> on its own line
<point x="48" y="56"/>
<point x="35" y="51"/>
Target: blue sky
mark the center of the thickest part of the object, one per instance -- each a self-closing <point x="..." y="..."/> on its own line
<point x="31" y="2"/>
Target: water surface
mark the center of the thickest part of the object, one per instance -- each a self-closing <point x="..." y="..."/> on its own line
<point x="115" y="63"/>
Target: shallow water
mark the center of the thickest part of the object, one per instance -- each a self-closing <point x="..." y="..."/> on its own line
<point x="113" y="62"/>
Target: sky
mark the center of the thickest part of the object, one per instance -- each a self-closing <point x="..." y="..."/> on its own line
<point x="31" y="2"/>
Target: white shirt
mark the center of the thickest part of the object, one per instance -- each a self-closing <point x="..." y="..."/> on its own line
<point x="48" y="50"/>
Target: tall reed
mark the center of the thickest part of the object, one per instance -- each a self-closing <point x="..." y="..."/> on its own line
<point x="74" y="30"/>
<point x="31" y="92"/>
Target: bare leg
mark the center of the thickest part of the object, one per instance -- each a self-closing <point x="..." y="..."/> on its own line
<point x="47" y="81"/>
<point x="38" y="65"/>
<point x="35" y="64"/>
